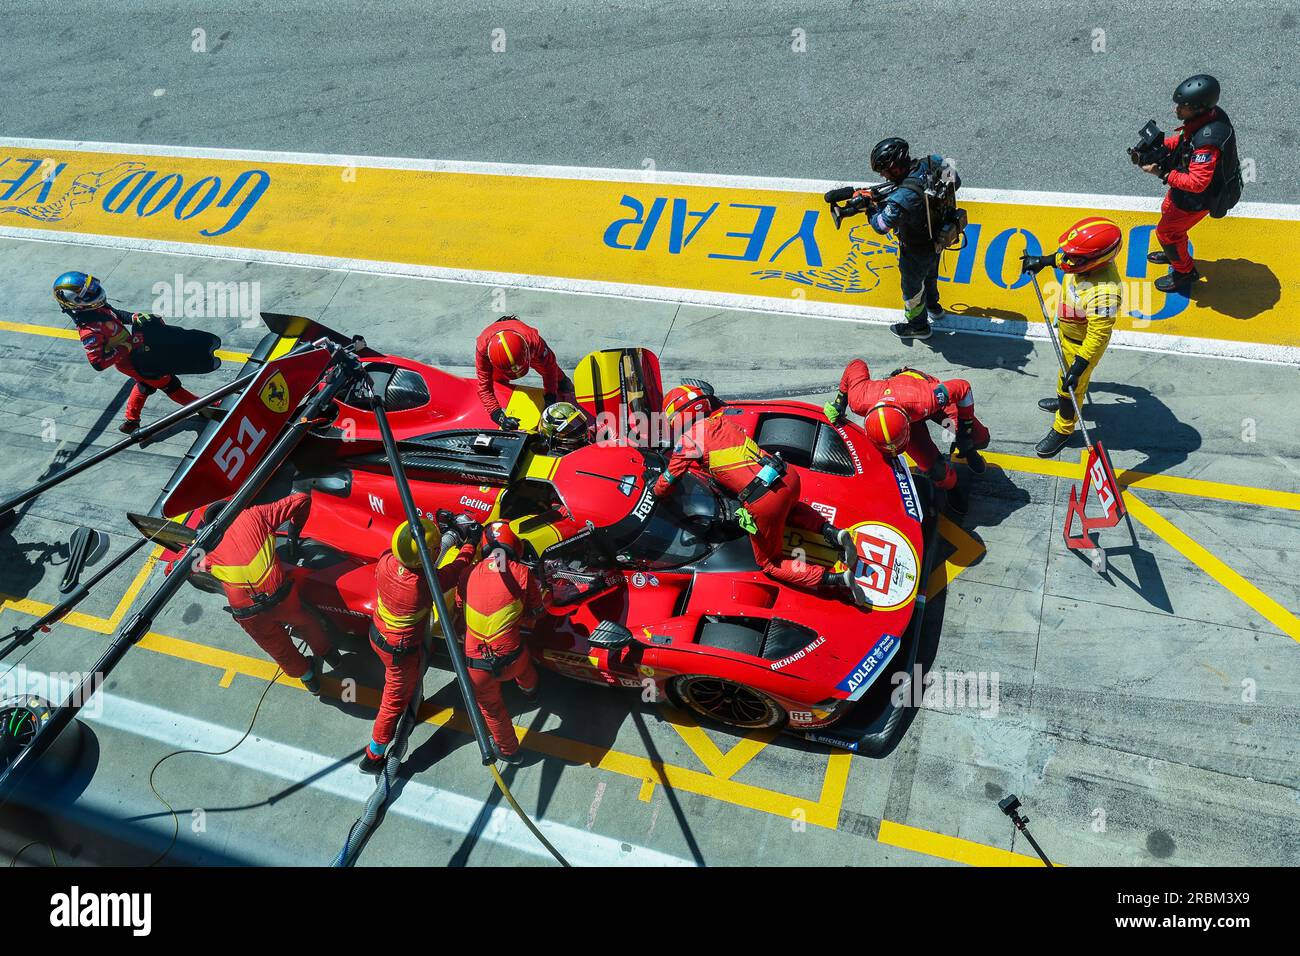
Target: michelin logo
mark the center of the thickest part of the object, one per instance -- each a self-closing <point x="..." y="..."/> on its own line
<point x="869" y="668"/>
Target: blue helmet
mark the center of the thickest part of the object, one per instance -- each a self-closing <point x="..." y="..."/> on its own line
<point x="78" y="291"/>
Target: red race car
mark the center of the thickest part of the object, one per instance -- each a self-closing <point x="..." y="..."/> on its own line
<point x="659" y="596"/>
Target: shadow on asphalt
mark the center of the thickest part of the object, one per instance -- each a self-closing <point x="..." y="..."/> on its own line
<point x="21" y="574"/>
<point x="1237" y="288"/>
<point x="970" y="350"/>
<point x="1140" y="422"/>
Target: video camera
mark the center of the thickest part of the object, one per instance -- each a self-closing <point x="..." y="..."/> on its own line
<point x="1151" y="149"/>
<point x="847" y="201"/>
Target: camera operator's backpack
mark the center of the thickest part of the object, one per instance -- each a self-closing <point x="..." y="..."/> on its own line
<point x="1229" y="193"/>
<point x="938" y="189"/>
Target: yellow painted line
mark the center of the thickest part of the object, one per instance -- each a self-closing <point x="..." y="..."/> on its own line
<point x="727" y="239"/>
<point x="1172" y="484"/>
<point x="647" y="790"/>
<point x="133" y="589"/>
<point x="1251" y="596"/>
<point x="53" y="332"/>
<point x="822" y="812"/>
<point x="948" y="847"/>
<point x="87" y="622"/>
<point x="967" y="552"/>
<point x="724" y="766"/>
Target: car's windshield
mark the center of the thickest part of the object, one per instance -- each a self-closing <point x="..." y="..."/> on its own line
<point x="677" y="531"/>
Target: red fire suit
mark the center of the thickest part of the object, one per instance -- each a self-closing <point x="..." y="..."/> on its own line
<point x="246" y="565"/>
<point x="109" y="337"/>
<point x="540" y="357"/>
<point x="496" y="600"/>
<point x="924" y="399"/>
<point x="402" y="602"/>
<point x="718" y="446"/>
<point x="1175" y="223"/>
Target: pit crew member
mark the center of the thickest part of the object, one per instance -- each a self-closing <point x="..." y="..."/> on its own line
<point x="895" y="411"/>
<point x="768" y="491"/>
<point x="263" y="598"/>
<point x="1091" y="299"/>
<point x="111" y="337"/>
<point x="497" y="595"/>
<point x="504" y="352"/>
<point x="401" y="618"/>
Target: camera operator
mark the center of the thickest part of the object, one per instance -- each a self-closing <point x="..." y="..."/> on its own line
<point x="900" y="206"/>
<point x="1202" y="169"/>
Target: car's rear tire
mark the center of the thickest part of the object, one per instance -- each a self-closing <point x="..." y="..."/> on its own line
<point x="725" y="701"/>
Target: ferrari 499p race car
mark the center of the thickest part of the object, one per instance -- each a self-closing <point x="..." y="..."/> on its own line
<point x="658" y="595"/>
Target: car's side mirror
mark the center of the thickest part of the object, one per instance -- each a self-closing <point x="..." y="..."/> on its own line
<point x="610" y="635"/>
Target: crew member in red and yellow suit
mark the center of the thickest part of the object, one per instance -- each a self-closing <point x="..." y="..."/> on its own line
<point x="400" y="619"/>
<point x="768" y="490"/>
<point x="1092" y="299"/>
<point x="895" y="410"/>
<point x="109" y="337"/>
<point x="505" y="351"/>
<point x="263" y="598"/>
<point x="498" y="595"/>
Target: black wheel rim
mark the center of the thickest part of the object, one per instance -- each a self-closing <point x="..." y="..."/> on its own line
<point x="728" y="702"/>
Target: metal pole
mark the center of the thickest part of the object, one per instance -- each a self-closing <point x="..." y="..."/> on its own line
<point x="24" y="635"/>
<point x="1060" y="360"/>
<point x="138" y="438"/>
<point x="431" y="578"/>
<point x="342" y="369"/>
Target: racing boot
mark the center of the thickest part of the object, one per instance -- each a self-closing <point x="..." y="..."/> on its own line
<point x="969" y="448"/>
<point x="130" y="426"/>
<point x="514" y="759"/>
<point x="845" y="582"/>
<point x="1177" y="281"/>
<point x="1051" y="444"/>
<point x="936" y="314"/>
<point x="918" y="328"/>
<point x="370" y="764"/>
<point x="841" y="540"/>
<point x="1049" y="405"/>
<point x="311" y="679"/>
<point x="1164" y="256"/>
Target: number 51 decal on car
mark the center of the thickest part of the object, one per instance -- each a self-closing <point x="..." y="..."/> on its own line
<point x="229" y="455"/>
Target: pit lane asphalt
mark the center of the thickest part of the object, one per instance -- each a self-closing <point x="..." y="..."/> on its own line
<point x="1146" y="717"/>
<point x="1014" y="91"/>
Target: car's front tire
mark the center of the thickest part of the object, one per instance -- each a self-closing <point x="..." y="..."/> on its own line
<point x="725" y="701"/>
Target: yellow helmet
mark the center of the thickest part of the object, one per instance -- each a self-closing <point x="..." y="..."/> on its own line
<point x="404" y="547"/>
<point x="564" y="425"/>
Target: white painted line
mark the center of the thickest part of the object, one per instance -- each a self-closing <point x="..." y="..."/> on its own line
<point x="833" y="312"/>
<point x="1246" y="210"/>
<point x="417" y="801"/>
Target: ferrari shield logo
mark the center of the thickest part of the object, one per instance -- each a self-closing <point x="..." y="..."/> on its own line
<point x="275" y="394"/>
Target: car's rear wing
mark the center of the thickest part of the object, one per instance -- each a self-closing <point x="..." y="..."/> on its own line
<point x="283" y="333"/>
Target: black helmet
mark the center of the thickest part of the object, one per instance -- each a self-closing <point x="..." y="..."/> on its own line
<point x="889" y="154"/>
<point x="1200" y="91"/>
